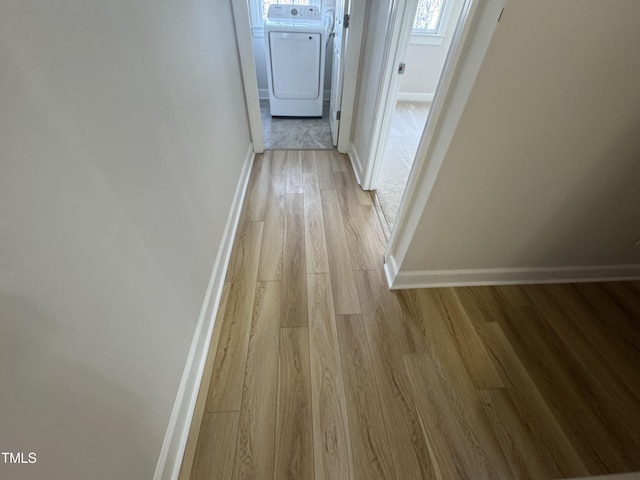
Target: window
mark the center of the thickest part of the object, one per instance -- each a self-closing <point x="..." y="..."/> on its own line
<point x="428" y="17"/>
<point x="259" y="9"/>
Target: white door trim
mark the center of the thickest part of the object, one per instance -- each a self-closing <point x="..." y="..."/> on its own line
<point x="356" y="10"/>
<point x="399" y="28"/>
<point x="477" y="23"/>
<point x="249" y="75"/>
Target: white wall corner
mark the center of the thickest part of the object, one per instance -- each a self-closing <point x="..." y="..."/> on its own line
<point x="355" y="162"/>
<point x="415" y="97"/>
<point x="175" y="440"/>
<point x="507" y="276"/>
<point x="468" y="47"/>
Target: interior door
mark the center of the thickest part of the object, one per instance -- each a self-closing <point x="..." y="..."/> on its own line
<point x="339" y="44"/>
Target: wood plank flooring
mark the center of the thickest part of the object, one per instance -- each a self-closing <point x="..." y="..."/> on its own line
<point x="319" y="372"/>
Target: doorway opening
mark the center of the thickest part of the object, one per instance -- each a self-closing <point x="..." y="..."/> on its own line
<point x="423" y="52"/>
<point x="340" y="76"/>
<point x="292" y="50"/>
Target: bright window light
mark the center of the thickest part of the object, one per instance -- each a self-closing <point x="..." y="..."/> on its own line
<point x="428" y="17"/>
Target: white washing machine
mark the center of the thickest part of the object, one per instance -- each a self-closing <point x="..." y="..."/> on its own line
<point x="295" y="43"/>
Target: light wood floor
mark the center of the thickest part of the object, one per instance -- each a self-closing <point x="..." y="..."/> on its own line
<point x="318" y="371"/>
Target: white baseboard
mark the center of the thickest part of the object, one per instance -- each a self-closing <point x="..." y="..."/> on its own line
<point x="355" y="162"/>
<point x="507" y="276"/>
<point x="415" y="97"/>
<point x="175" y="440"/>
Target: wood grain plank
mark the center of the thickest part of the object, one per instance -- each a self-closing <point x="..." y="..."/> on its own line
<point x="332" y="446"/>
<point x="462" y="444"/>
<point x="589" y="396"/>
<point x="309" y="161"/>
<point x="258" y="188"/>
<point x="279" y="162"/>
<point x="380" y="214"/>
<point x="374" y="233"/>
<point x="553" y="444"/>
<point x="386" y="308"/>
<point x="362" y="258"/>
<point x="294" y="276"/>
<point x="446" y="334"/>
<point x="617" y="328"/>
<point x="482" y="304"/>
<point x="272" y="253"/>
<point x="364" y="197"/>
<point x="255" y="451"/>
<point x="606" y="352"/>
<point x="412" y="320"/>
<point x="474" y="356"/>
<point x="315" y="241"/>
<point x="198" y="414"/>
<point x="225" y="391"/>
<point x="325" y="172"/>
<point x="294" y="172"/>
<point x="372" y="456"/>
<point x="342" y="278"/>
<point x="625" y="296"/>
<point x="516" y="441"/>
<point x="386" y="337"/>
<point x="339" y="161"/>
<point x="457" y="383"/>
<point x="294" y="430"/>
<point x="216" y="447"/>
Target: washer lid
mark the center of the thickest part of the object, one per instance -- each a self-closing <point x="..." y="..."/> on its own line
<point x="293" y="13"/>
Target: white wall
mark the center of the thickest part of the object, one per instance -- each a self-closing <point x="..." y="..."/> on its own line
<point x="425" y="61"/>
<point x="119" y="159"/>
<point x="542" y="173"/>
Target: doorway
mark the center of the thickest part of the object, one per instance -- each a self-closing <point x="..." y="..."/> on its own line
<point x="292" y="53"/>
<point x="316" y="133"/>
<point x="424" y="51"/>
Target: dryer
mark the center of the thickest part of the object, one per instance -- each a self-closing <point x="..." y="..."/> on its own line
<point x="295" y="44"/>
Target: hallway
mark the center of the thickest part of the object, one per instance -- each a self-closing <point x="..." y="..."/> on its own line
<point x="317" y="370"/>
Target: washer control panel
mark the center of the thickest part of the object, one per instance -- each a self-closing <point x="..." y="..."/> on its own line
<point x="279" y="11"/>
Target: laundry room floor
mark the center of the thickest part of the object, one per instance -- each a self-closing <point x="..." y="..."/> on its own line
<point x="284" y="133"/>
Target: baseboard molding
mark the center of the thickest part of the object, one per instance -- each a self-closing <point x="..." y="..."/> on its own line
<point x="415" y="97"/>
<point x="168" y="466"/>
<point x="506" y="276"/>
<point x="355" y="163"/>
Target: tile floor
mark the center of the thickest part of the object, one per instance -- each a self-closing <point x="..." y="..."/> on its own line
<point x="283" y="133"/>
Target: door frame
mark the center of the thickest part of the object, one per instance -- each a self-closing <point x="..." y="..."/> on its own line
<point x="241" y="18"/>
<point x="356" y="9"/>
<point x="476" y="26"/>
<point x="399" y="27"/>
